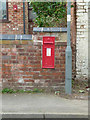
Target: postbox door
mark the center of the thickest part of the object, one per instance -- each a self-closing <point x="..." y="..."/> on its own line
<point x="48" y="55"/>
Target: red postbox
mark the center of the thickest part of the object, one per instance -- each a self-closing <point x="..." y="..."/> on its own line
<point x="15" y="7"/>
<point x="48" y="52"/>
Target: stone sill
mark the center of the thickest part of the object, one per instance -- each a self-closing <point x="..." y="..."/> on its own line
<point x="50" y="29"/>
<point x="15" y="37"/>
<point x="29" y="37"/>
<point x="5" y="21"/>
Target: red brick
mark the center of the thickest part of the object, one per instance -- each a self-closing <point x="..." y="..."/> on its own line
<point x="29" y="81"/>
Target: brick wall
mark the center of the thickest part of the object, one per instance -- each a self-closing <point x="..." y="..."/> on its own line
<point x="14" y="25"/>
<point x="26" y="18"/>
<point x="0" y="67"/>
<point x="22" y="59"/>
<point x="22" y="64"/>
<point x="89" y="39"/>
<point x="60" y="37"/>
<point x="82" y="40"/>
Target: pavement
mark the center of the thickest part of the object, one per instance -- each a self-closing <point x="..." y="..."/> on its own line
<point x="42" y="106"/>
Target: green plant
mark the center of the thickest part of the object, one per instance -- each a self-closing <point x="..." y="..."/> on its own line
<point x="7" y="90"/>
<point x="81" y="91"/>
<point x="35" y="90"/>
<point x="57" y="92"/>
<point x="73" y="83"/>
<point x="20" y="91"/>
<point x="50" y="14"/>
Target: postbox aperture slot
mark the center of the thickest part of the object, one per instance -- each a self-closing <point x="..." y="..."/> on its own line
<point x="48" y="42"/>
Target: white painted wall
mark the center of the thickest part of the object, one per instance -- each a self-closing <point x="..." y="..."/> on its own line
<point x="82" y="40"/>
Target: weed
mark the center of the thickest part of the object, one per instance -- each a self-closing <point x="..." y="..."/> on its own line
<point x="35" y="90"/>
<point x="73" y="83"/>
<point x="20" y="91"/>
<point x="7" y="90"/>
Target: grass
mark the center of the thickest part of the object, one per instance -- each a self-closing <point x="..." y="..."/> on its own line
<point x="35" y="90"/>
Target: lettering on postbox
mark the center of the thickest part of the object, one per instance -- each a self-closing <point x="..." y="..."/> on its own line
<point x="48" y="52"/>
